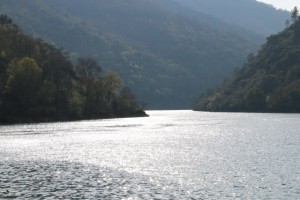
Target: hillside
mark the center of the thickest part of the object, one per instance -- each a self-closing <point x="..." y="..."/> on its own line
<point x="39" y="83"/>
<point x="215" y="21"/>
<point x="268" y="82"/>
<point x="159" y="53"/>
<point x="255" y="16"/>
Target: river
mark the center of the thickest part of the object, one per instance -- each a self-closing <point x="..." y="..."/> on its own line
<point x="169" y="155"/>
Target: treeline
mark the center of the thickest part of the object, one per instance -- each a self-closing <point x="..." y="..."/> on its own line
<point x="38" y="82"/>
<point x="268" y="82"/>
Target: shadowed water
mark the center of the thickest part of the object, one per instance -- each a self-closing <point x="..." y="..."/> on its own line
<point x="170" y="155"/>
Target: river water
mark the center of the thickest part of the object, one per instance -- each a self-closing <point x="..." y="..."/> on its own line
<point x="169" y="155"/>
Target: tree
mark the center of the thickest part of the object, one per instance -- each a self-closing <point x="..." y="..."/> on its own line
<point x="76" y="104"/>
<point x="88" y="69"/>
<point x="125" y="102"/>
<point x="111" y="82"/>
<point x="47" y="98"/>
<point x="295" y="14"/>
<point x="23" y="83"/>
<point x="4" y="19"/>
<point x="88" y="74"/>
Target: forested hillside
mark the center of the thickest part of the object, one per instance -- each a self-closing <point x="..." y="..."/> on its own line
<point x="215" y="21"/>
<point x="39" y="83"/>
<point x="161" y="54"/>
<point x="268" y="82"/>
<point x="258" y="17"/>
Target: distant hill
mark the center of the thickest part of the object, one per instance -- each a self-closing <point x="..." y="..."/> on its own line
<point x="268" y="82"/>
<point x="161" y="54"/>
<point x="255" y="16"/>
<point x="214" y="20"/>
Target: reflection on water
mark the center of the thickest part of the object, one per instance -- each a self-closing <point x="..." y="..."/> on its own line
<point x="170" y="155"/>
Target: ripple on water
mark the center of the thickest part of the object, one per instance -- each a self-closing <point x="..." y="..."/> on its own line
<point x="170" y="155"/>
<point x="66" y="180"/>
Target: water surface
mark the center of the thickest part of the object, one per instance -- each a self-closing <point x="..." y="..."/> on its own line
<point x="170" y="155"/>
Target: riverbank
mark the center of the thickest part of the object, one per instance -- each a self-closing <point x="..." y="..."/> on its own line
<point x="13" y="120"/>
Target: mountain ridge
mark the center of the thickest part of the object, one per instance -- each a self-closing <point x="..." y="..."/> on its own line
<point x="252" y="15"/>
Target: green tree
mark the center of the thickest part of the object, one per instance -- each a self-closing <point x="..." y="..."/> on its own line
<point x="47" y="98"/>
<point x="111" y="82"/>
<point x="76" y="104"/>
<point x="125" y="102"/>
<point x="23" y="83"/>
<point x="89" y="73"/>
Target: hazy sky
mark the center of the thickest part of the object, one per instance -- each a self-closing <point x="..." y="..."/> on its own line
<point x="283" y="4"/>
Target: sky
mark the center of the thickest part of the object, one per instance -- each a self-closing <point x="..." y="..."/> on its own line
<point x="283" y="4"/>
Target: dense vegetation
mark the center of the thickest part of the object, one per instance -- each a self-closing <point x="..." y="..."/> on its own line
<point x="161" y="53"/>
<point x="268" y="82"/>
<point x="39" y="83"/>
<point x="252" y="15"/>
